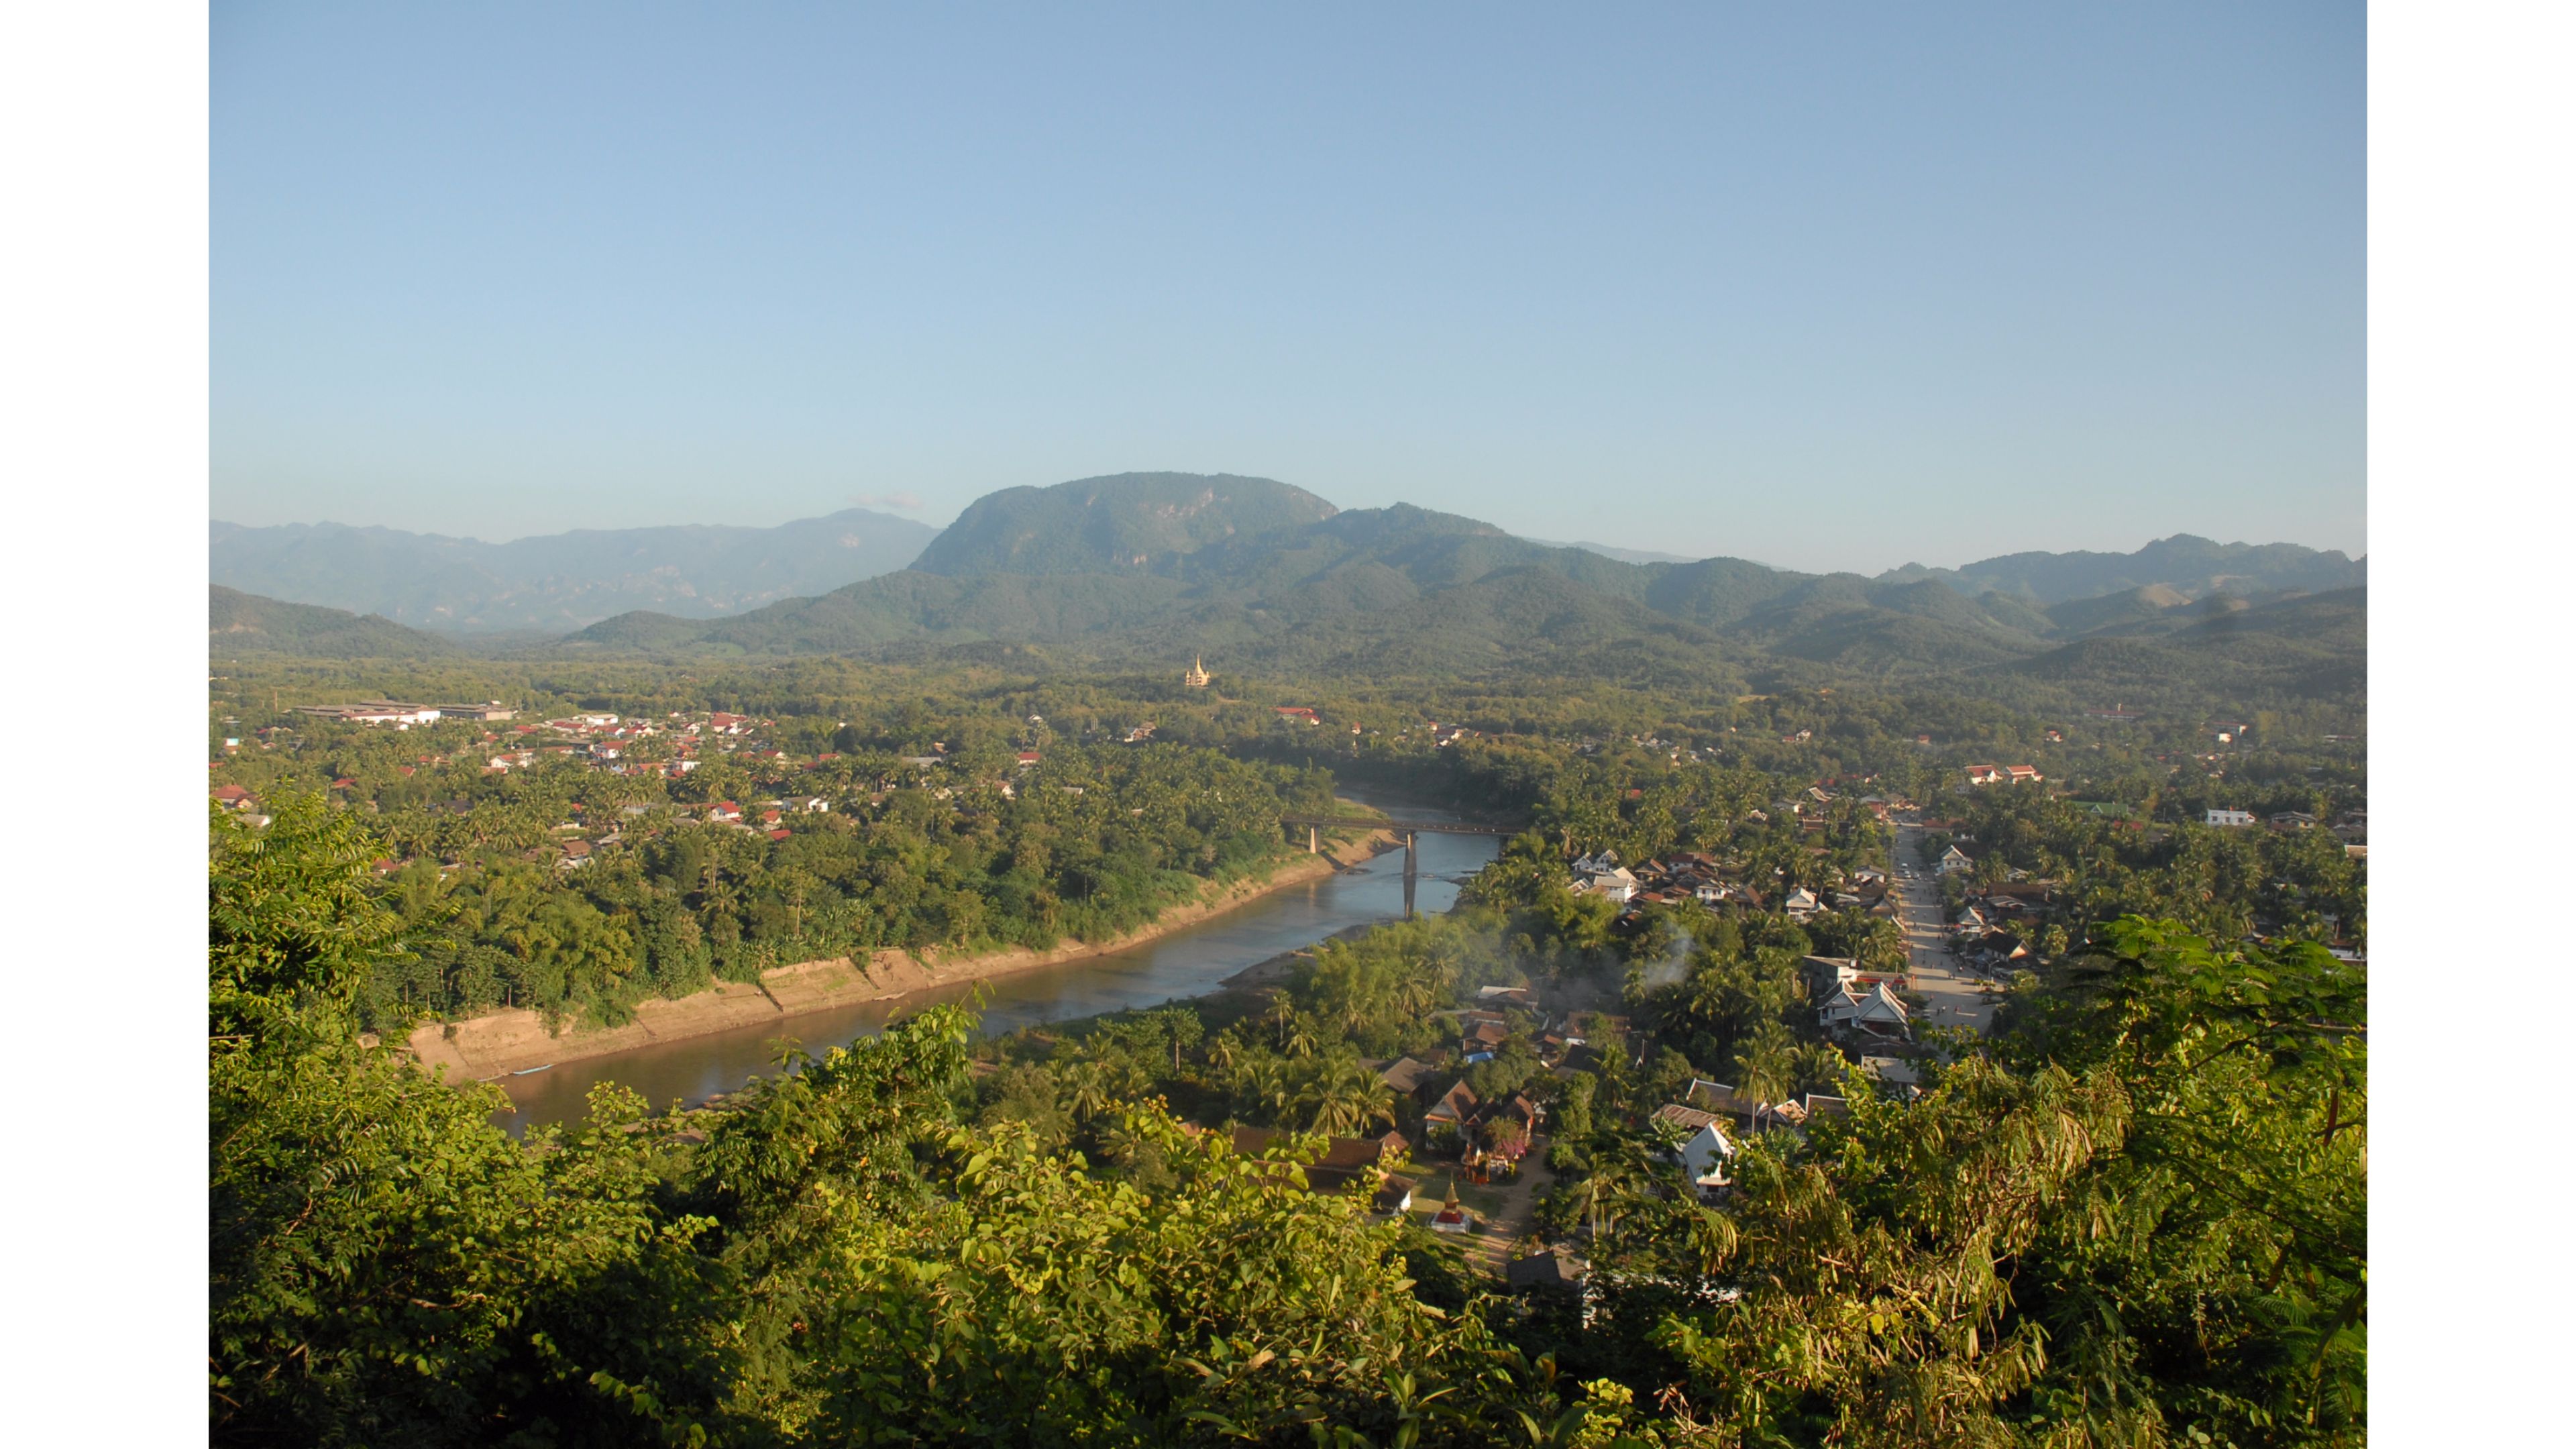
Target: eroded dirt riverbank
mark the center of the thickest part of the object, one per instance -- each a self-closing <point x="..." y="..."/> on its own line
<point x="502" y="1043"/>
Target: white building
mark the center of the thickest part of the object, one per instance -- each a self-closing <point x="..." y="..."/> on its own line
<point x="1617" y="884"/>
<point x="1876" y="1010"/>
<point x="2230" y="819"/>
<point x="1705" y="1153"/>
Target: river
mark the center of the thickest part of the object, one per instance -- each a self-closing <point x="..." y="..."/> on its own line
<point x="1193" y="961"/>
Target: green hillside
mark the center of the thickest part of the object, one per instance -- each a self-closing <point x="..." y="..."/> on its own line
<point x="1143" y="569"/>
<point x="2186" y="563"/>
<point x="239" y="623"/>
<point x="2314" y="646"/>
<point x="1124" y="523"/>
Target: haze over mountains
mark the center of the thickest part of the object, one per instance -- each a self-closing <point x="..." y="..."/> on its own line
<point x="1157" y="566"/>
<point x="559" y="582"/>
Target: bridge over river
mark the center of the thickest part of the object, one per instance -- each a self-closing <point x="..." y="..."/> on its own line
<point x="1316" y="825"/>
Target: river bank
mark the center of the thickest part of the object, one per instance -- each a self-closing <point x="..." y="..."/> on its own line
<point x="506" y="1042"/>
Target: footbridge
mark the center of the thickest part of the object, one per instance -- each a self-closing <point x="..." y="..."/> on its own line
<point x="1316" y="825"/>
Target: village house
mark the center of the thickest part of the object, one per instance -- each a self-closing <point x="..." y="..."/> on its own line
<point x="1993" y="949"/>
<point x="1749" y="1113"/>
<point x="2229" y="819"/>
<point x="1617" y="884"/>
<point x="1452" y="1113"/>
<point x="1552" y="1270"/>
<point x="1874" y="1011"/>
<point x="1894" y="1072"/>
<point x="1705" y="1152"/>
<point x="1408" y="1077"/>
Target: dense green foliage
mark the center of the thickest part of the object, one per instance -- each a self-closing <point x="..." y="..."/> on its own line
<point x="968" y="854"/>
<point x="2133" y="1214"/>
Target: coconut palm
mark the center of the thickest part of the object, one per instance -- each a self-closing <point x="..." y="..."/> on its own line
<point x="1766" y="1068"/>
<point x="1300" y="1037"/>
<point x="1348" y="1097"/>
<point x="1817" y="1066"/>
<point x="1223" y="1050"/>
<point x="1087" y="1091"/>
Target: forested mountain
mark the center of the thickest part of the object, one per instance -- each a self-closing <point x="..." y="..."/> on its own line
<point x="1144" y="567"/>
<point x="1141" y="569"/>
<point x="1125" y="523"/>
<point x="246" y="623"/>
<point x="560" y="581"/>
<point x="2185" y="563"/>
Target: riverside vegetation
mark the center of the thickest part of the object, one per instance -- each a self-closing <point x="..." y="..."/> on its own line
<point x="2133" y="1212"/>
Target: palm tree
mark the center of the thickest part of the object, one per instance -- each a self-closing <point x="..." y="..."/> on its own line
<point x="1282" y="1012"/>
<point x="1348" y="1097"/>
<point x="1817" y="1065"/>
<point x="1616" y="1170"/>
<point x="1300" y="1038"/>
<point x="1086" y="1089"/>
<point x="1223" y="1050"/>
<point x="1766" y="1068"/>
<point x="1416" y="994"/>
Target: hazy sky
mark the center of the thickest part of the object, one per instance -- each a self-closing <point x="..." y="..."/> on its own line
<point x="1828" y="286"/>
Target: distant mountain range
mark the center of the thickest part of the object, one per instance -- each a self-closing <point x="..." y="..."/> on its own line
<point x="2183" y="563"/>
<point x="1152" y="565"/>
<point x="1156" y="566"/>
<point x="562" y="581"/>
<point x="1624" y="555"/>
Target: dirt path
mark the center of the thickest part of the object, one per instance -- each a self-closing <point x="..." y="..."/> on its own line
<point x="1514" y="1214"/>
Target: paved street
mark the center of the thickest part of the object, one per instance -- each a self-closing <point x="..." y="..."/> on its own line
<point x="1951" y="994"/>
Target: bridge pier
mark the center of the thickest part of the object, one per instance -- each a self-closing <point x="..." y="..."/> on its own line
<point x="1314" y="840"/>
<point x="1408" y="875"/>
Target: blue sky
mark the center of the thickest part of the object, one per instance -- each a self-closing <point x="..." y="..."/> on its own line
<point x="1828" y="286"/>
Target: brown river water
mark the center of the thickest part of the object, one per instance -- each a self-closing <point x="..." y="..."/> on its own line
<point x="1193" y="961"/>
